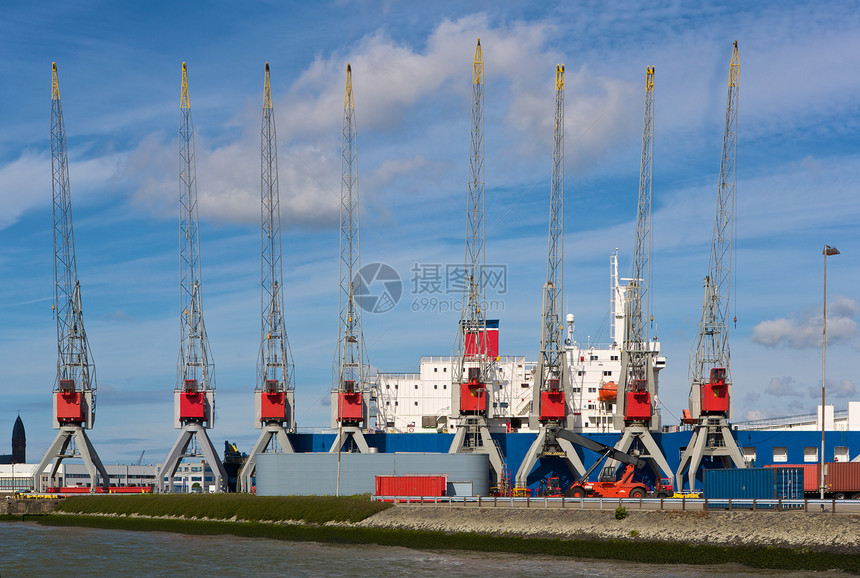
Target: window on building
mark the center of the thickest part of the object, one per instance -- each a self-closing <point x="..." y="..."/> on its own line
<point x="387" y="386"/>
<point x="444" y="369"/>
<point x="388" y="403"/>
<point x="416" y="403"/>
<point x="444" y="386"/>
<point x="524" y="385"/>
<point x="810" y="454"/>
<point x="416" y="386"/>
<point x="435" y="386"/>
<point x="780" y="455"/>
<point x="592" y="406"/>
<point x="395" y="386"/>
<point x="613" y="358"/>
<point x="749" y="454"/>
<point x="435" y="369"/>
<point x="593" y="358"/>
<point x="577" y="389"/>
<point x="592" y="390"/>
<point x="607" y="373"/>
<point x="395" y="404"/>
<point x="580" y="372"/>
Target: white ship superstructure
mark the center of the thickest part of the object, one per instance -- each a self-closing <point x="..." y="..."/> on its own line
<point x="421" y="402"/>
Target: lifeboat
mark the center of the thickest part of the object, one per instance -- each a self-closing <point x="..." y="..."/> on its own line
<point x="608" y="391"/>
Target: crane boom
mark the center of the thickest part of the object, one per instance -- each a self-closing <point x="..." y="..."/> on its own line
<point x="74" y="391"/>
<point x="196" y="369"/>
<point x="75" y="370"/>
<point x="274" y="395"/>
<point x="712" y="346"/>
<point x="275" y="363"/>
<point x="194" y="393"/>
<point x="551" y="360"/>
<point x="350" y="387"/>
<point x="710" y="360"/>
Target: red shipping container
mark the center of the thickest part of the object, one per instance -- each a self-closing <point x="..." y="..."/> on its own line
<point x="272" y="406"/>
<point x="552" y="405"/>
<point x="810" y="474"/>
<point x="473" y="397"/>
<point x="70" y="407"/>
<point x="842" y="477"/>
<point x="638" y="405"/>
<point x="349" y="406"/>
<point x="192" y="405"/>
<point x="420" y="486"/>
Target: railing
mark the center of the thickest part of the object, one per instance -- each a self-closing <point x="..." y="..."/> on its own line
<point x="797" y="420"/>
<point x="676" y="504"/>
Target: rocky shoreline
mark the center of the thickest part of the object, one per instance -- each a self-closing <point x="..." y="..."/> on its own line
<point x="838" y="533"/>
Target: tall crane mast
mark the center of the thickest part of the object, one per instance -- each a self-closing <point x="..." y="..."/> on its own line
<point x="551" y="390"/>
<point x="350" y="395"/>
<point x="636" y="404"/>
<point x="194" y="394"/>
<point x="471" y="373"/>
<point x="75" y="387"/>
<point x="710" y="360"/>
<point x="274" y="395"/>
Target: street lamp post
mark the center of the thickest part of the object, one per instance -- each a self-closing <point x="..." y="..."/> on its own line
<point x="828" y="251"/>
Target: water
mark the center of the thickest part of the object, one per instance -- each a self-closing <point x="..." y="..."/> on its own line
<point x="27" y="549"/>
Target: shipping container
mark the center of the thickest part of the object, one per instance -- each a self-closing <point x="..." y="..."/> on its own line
<point x="754" y="484"/>
<point x="842" y="479"/>
<point x="434" y="486"/>
<point x="811" y="479"/>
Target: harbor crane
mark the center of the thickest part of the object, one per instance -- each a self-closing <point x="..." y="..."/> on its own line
<point x="351" y="385"/>
<point x="194" y="393"/>
<point x="74" y="391"/>
<point x="472" y="374"/>
<point x="274" y="395"/>
<point x="710" y="362"/>
<point x="550" y="412"/>
<point x="636" y="405"/>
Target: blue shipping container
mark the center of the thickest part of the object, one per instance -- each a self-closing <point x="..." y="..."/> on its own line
<point x="754" y="484"/>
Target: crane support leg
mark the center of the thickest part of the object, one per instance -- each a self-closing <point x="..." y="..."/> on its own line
<point x="343" y="435"/>
<point x="58" y="450"/>
<point x="653" y="454"/>
<point x="692" y="458"/>
<point x="249" y="468"/>
<point x="177" y="453"/>
<point x="573" y="462"/>
<point x="531" y="459"/>
<point x="483" y="444"/>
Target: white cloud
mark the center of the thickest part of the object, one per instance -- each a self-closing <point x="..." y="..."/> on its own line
<point x="783" y="387"/>
<point x="805" y="331"/>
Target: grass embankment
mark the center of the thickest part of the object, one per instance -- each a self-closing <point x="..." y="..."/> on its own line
<point x="627" y="550"/>
<point x="245" y="507"/>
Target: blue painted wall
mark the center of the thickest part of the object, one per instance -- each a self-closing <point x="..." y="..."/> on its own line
<point x="515" y="445"/>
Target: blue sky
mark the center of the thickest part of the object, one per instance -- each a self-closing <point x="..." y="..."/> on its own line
<point x="119" y="67"/>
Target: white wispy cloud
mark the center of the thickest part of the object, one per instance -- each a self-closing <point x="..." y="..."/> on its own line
<point x="804" y="331"/>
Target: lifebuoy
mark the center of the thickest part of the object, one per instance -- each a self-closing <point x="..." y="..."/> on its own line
<point x="410" y="429"/>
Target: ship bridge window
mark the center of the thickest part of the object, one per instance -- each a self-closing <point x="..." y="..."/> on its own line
<point x="780" y="455"/>
<point x="592" y="390"/>
<point x="577" y="389"/>
<point x="613" y="358"/>
<point x="607" y="373"/>
<point x="810" y="454"/>
<point x="593" y="358"/>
